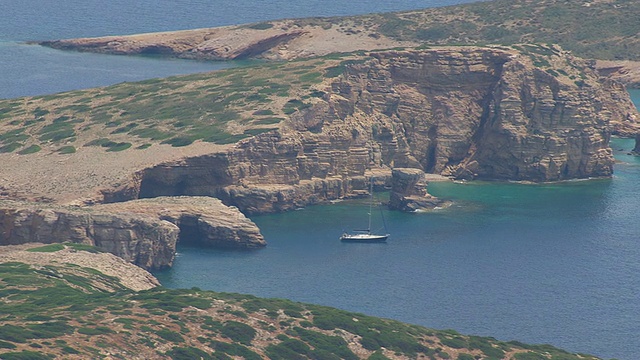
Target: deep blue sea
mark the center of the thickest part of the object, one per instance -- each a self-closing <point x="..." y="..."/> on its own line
<point x="553" y="263"/>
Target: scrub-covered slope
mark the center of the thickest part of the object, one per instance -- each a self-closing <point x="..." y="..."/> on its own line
<point x="66" y="311"/>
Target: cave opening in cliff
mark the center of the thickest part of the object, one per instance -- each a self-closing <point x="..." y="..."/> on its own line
<point x="190" y="233"/>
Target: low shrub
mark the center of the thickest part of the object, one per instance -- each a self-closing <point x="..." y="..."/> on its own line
<point x="67" y="150"/>
<point x="238" y="331"/>
<point x="30" y="150"/>
<point x="170" y="335"/>
<point x="47" y="248"/>
<point x="99" y="330"/>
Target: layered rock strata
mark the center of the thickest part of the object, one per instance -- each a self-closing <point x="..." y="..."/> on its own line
<point x="409" y="191"/>
<point x="145" y="241"/>
<point x="465" y="112"/>
<point x="201" y="220"/>
<point x="143" y="232"/>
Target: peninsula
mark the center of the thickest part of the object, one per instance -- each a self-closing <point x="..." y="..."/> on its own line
<point x="279" y="136"/>
<point x="134" y="168"/>
<point x="605" y="30"/>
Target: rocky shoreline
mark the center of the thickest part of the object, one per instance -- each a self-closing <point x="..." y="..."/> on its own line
<point x="279" y="40"/>
<point x="142" y="232"/>
<point x="129" y="275"/>
<point x="522" y="113"/>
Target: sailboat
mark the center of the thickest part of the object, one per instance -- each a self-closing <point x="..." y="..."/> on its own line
<point x="367" y="235"/>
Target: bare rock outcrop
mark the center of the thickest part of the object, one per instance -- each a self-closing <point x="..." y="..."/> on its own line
<point x="145" y="241"/>
<point x="409" y="191"/>
<point x="275" y="40"/>
<point x="201" y="220"/>
<point x="535" y="113"/>
<point x="143" y="232"/>
<point x="626" y="72"/>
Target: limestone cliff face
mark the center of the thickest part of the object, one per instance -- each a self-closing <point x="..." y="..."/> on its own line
<point x="143" y="232"/>
<point x="535" y="114"/>
<point x="409" y="191"/>
<point x="489" y="113"/>
<point x="202" y="220"/>
<point x="144" y="241"/>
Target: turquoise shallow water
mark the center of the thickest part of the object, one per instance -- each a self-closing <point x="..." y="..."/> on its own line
<point x="553" y="263"/>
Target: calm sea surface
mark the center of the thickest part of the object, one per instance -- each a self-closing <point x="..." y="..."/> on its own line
<point x="557" y="263"/>
<point x="554" y="263"/>
<point x="27" y="70"/>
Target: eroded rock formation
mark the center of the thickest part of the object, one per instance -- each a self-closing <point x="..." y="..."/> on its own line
<point x="201" y="220"/>
<point x="466" y="112"/>
<point x="145" y="241"/>
<point x="409" y="191"/>
<point x="143" y="232"/>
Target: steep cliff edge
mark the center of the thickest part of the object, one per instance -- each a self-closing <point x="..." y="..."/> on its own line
<point x="531" y="113"/>
<point x="143" y="232"/>
<point x="314" y="130"/>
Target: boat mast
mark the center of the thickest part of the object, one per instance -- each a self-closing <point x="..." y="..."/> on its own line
<point x="370" y="202"/>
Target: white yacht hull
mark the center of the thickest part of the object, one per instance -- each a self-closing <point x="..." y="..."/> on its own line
<point x="364" y="237"/>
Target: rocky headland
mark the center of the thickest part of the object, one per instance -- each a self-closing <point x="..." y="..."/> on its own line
<point x="311" y="131"/>
<point x="585" y="29"/>
<point x="466" y="113"/>
<point x="143" y="232"/>
<point x="133" y="169"/>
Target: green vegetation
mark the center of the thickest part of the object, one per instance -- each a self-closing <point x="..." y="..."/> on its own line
<point x="30" y="150"/>
<point x="238" y="332"/>
<point x="47" y="248"/>
<point x="11" y="147"/>
<point x="66" y="149"/>
<point x="170" y="335"/>
<point x="222" y="107"/>
<point x="602" y="30"/>
<point x="67" y="310"/>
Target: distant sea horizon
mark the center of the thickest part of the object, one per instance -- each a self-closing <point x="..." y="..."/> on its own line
<point x="545" y="263"/>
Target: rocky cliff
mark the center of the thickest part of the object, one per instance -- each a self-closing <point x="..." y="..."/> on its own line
<point x="201" y="220"/>
<point x="144" y="241"/>
<point x="531" y="113"/>
<point x="527" y="112"/>
<point x="409" y="191"/>
<point x="143" y="232"/>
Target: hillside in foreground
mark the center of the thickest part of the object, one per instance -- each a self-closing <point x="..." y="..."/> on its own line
<point x="60" y="310"/>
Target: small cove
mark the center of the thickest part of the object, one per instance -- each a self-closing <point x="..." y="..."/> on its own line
<point x="540" y="263"/>
<point x="554" y="263"/>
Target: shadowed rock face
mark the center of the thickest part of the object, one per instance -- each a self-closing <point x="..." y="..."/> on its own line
<point x="143" y="232"/>
<point x="409" y="191"/>
<point x="201" y="220"/>
<point x="142" y="240"/>
<point x="470" y="113"/>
